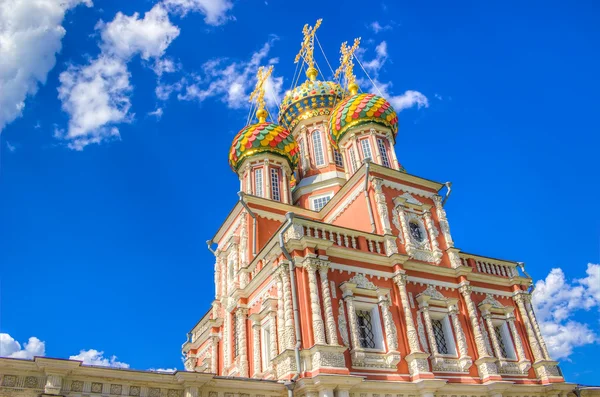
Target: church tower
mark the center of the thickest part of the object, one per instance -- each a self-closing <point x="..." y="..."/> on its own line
<point x="336" y="272"/>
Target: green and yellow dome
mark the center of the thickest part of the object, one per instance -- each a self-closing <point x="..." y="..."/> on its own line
<point x="309" y="99"/>
<point x="263" y="137"/>
<point x="359" y="109"/>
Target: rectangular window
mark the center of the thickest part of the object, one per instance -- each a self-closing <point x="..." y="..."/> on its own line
<point x="353" y="164"/>
<point x="337" y="156"/>
<point x="504" y="340"/>
<point x="385" y="159"/>
<point x="318" y="148"/>
<point x="265" y="346"/>
<point x="365" y="144"/>
<point x="275" y="185"/>
<point x="440" y="336"/>
<point x="258" y="182"/>
<point x="319" y="202"/>
<point x="234" y="326"/>
<point x="366" y="336"/>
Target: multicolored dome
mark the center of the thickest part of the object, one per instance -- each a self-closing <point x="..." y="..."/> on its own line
<point x="311" y="98"/>
<point x="360" y="109"/>
<point x="263" y="138"/>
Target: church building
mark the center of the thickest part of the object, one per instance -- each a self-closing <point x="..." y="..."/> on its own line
<point x="335" y="274"/>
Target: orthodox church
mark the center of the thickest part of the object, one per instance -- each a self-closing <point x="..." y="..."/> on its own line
<point x="336" y="275"/>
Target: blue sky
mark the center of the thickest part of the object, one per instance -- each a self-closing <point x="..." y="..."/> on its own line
<point x="113" y="158"/>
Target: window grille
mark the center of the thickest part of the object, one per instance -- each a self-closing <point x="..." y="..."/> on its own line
<point x="440" y="337"/>
<point x="318" y="147"/>
<point x="339" y="161"/>
<point x="366" y="149"/>
<point x="353" y="164"/>
<point x="234" y="325"/>
<point x="385" y="159"/>
<point x="275" y="185"/>
<point x="365" y="329"/>
<point x="258" y="182"/>
<point x="320" y="202"/>
<point x="499" y="336"/>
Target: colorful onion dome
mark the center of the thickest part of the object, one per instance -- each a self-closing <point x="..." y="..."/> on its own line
<point x="263" y="137"/>
<point x="360" y="109"/>
<point x="309" y="99"/>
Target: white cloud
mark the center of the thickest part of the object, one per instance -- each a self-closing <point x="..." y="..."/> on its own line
<point x="31" y="32"/>
<point x="10" y="147"/>
<point x="156" y="113"/>
<point x="167" y="370"/>
<point x="377" y="27"/>
<point x="400" y="102"/>
<point x="96" y="97"/>
<point x="9" y="347"/>
<point x="95" y="357"/>
<point x="232" y="81"/>
<point x="556" y="301"/>
<point x="215" y="11"/>
<point x="127" y="36"/>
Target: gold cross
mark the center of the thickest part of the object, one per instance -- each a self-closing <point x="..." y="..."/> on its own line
<point x="347" y="63"/>
<point x="307" y="48"/>
<point x="258" y="94"/>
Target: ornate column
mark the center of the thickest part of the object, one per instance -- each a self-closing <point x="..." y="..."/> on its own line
<point x="241" y="333"/>
<point x="524" y="363"/>
<point x="226" y="344"/>
<point x="349" y="299"/>
<point x="536" y="327"/>
<point x="274" y="335"/>
<point x="382" y="209"/>
<point x="286" y="196"/>
<point x="266" y="179"/>
<point x="433" y="233"/>
<point x="289" y="333"/>
<point x="441" y="214"/>
<point x="487" y="316"/>
<point x="217" y="278"/>
<point x="243" y="250"/>
<point x="417" y="359"/>
<point x="256" y="347"/>
<point x="280" y="313"/>
<point x="214" y="340"/>
<point x="464" y="359"/>
<point x="538" y="355"/>
<point x="248" y="173"/>
<point x="408" y="244"/>
<point x="391" y="334"/>
<point x="330" y="328"/>
<point x="485" y="364"/>
<point x="317" y="321"/>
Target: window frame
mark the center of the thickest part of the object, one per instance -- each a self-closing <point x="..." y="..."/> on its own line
<point x="256" y="172"/>
<point x="314" y="198"/>
<point x="265" y="345"/>
<point x="352" y="160"/>
<point x="377" y="330"/>
<point x="507" y="339"/>
<point x="235" y="348"/>
<point x="362" y="148"/>
<point x="320" y="145"/>
<point x="383" y="152"/>
<point x="275" y="184"/>
<point x="338" y="159"/>
<point x="442" y="315"/>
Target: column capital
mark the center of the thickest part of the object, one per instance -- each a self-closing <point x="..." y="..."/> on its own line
<point x="400" y="278"/>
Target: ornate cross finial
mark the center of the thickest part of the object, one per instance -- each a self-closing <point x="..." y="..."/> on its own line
<point x="307" y="49"/>
<point x="259" y="92"/>
<point x="347" y="65"/>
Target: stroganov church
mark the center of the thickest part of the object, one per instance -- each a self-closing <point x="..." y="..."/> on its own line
<point x="335" y="275"/>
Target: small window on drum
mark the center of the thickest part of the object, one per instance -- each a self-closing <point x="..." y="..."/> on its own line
<point x="416" y="231"/>
<point x="339" y="161"/>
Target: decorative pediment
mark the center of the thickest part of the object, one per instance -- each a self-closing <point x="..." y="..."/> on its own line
<point x="433" y="293"/>
<point x="490" y="300"/>
<point x="362" y="282"/>
<point x="407" y="198"/>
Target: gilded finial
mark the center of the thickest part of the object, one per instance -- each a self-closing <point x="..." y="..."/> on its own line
<point x="347" y="65"/>
<point x="307" y="49"/>
<point x="259" y="92"/>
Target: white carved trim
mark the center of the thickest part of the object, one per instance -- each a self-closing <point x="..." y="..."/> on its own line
<point x="398" y="186"/>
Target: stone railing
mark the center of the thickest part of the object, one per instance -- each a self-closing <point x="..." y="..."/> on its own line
<point x="339" y="236"/>
<point x="495" y="267"/>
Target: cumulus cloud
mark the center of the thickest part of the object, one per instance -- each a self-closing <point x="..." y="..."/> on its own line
<point x="31" y="33"/>
<point x="377" y="27"/>
<point x="232" y="81"/>
<point x="215" y="11"/>
<point x="556" y="301"/>
<point x="9" y="347"/>
<point x="96" y="97"/>
<point x="373" y="66"/>
<point x="156" y="113"/>
<point x="95" y="357"/>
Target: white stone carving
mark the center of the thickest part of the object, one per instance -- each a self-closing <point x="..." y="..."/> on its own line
<point x="432" y="293"/>
<point x="343" y="325"/>
<point x="361" y="281"/>
<point x="317" y="320"/>
<point x="329" y="320"/>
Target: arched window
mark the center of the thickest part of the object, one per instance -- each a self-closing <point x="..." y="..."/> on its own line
<point x="318" y="148"/>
